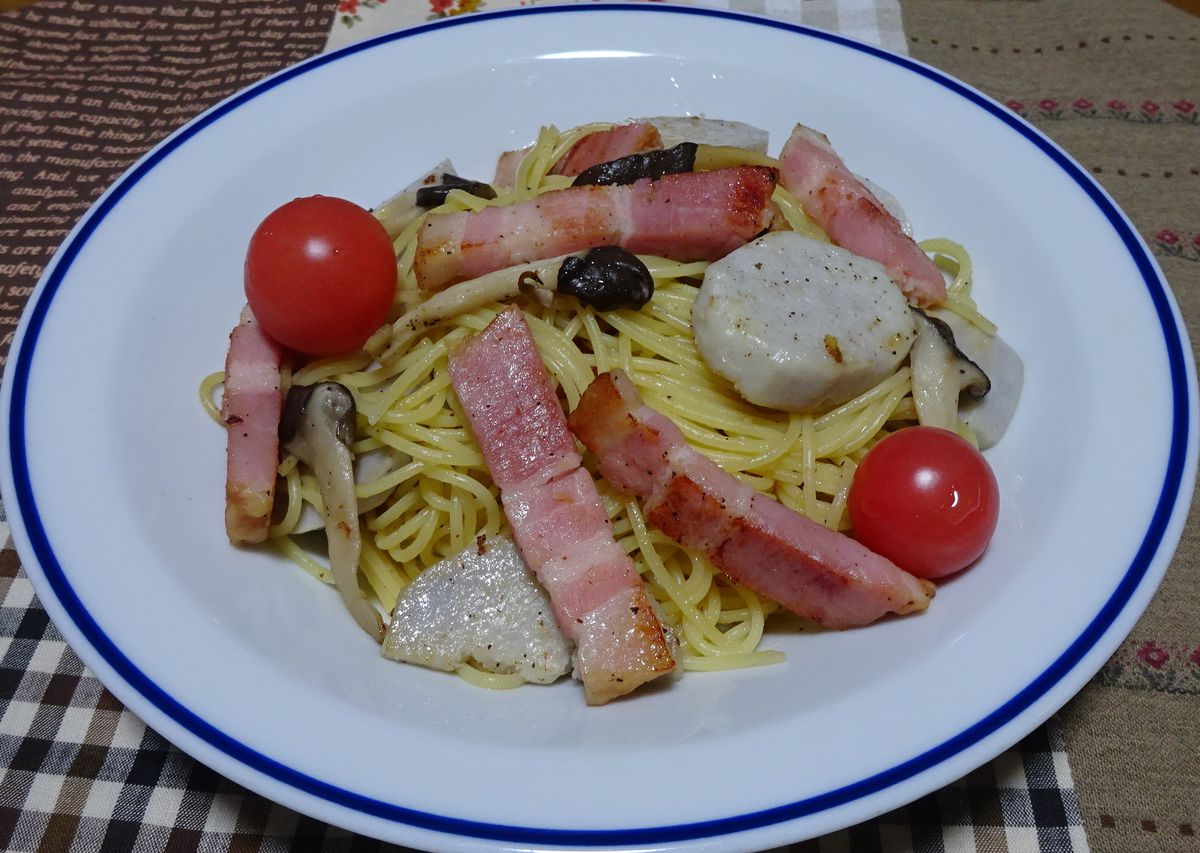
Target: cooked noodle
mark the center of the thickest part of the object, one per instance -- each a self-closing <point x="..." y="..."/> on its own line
<point x="444" y="498"/>
<point x="440" y="501"/>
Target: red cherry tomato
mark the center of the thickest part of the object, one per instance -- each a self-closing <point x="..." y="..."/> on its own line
<point x="926" y="499"/>
<point x="320" y="275"/>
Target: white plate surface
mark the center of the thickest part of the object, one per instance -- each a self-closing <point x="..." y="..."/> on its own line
<point x="114" y="480"/>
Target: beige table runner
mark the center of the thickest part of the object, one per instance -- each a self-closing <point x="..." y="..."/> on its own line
<point x="1117" y="84"/>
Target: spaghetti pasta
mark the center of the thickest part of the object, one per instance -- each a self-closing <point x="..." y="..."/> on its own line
<point x="443" y="497"/>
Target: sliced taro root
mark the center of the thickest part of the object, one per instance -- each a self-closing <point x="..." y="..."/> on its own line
<point x="800" y="325"/>
<point x="482" y="607"/>
<point x="709" y="131"/>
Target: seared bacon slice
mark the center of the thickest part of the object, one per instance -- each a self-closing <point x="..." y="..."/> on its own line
<point x="691" y="216"/>
<point x="555" y="511"/>
<point x="853" y="217"/>
<point x="605" y="145"/>
<point x="507" y="165"/>
<point x="251" y="405"/>
<point x="809" y="569"/>
<point x="598" y="147"/>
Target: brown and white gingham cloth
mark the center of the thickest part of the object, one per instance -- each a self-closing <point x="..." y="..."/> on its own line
<point x="83" y="774"/>
<point x="79" y="771"/>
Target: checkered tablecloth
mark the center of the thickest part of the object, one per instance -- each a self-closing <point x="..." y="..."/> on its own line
<point x="79" y="772"/>
<point x="84" y="774"/>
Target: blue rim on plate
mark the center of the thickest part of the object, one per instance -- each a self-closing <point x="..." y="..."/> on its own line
<point x="1169" y="495"/>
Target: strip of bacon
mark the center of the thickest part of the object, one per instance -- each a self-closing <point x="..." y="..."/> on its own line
<point x="605" y="145"/>
<point x="506" y="166"/>
<point x="758" y="542"/>
<point x="557" y="518"/>
<point x="598" y="147"/>
<point x="692" y="216"/>
<point x="251" y="406"/>
<point x="854" y="218"/>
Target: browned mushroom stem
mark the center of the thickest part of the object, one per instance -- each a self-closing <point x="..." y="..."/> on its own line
<point x="990" y="417"/>
<point x="606" y="277"/>
<point x="369" y="465"/>
<point x="941" y="372"/>
<point x="318" y="426"/>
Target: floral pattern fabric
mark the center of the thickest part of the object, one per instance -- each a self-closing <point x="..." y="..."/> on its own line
<point x="1181" y="110"/>
<point x="876" y="22"/>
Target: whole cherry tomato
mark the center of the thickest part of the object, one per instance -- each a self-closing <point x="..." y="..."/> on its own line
<point x="926" y="499"/>
<point x="320" y="275"/>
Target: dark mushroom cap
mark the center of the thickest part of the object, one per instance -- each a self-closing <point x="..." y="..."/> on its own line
<point x="649" y="164"/>
<point x="435" y="195"/>
<point x="974" y="381"/>
<point x="607" y="278"/>
<point x="331" y="402"/>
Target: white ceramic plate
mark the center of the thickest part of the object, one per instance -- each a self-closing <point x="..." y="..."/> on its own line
<point x="114" y="481"/>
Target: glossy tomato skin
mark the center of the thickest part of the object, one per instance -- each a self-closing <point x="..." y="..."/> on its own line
<point x="320" y="275"/>
<point x="926" y="499"/>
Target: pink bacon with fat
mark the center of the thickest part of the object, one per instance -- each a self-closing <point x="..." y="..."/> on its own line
<point x="758" y="542"/>
<point x="691" y="216"/>
<point x="251" y="405"/>
<point x="557" y="518"/>
<point x="599" y="147"/>
<point x="604" y="146"/>
<point x="853" y="218"/>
